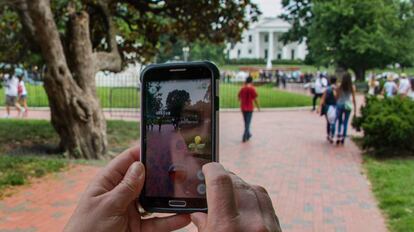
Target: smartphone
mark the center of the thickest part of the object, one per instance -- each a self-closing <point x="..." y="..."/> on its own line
<point x="179" y="134"/>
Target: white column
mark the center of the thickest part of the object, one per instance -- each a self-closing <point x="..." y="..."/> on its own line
<point x="257" y="44"/>
<point x="285" y="52"/>
<point x="270" y="50"/>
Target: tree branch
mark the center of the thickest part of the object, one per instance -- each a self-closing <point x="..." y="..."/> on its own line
<point x="108" y="60"/>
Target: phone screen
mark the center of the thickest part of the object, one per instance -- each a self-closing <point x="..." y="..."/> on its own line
<point x="178" y="136"/>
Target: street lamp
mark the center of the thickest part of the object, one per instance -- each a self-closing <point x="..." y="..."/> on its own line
<point x="186" y="51"/>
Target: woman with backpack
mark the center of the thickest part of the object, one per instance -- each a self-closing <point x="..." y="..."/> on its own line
<point x="327" y="107"/>
<point x="345" y="103"/>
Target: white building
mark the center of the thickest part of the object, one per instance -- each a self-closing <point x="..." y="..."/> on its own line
<point x="262" y="41"/>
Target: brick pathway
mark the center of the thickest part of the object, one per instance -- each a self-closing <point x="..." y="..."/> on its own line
<point x="314" y="186"/>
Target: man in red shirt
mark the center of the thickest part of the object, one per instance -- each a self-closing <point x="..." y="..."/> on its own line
<point x="248" y="95"/>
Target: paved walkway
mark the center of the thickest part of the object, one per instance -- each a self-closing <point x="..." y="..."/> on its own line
<point x="314" y="185"/>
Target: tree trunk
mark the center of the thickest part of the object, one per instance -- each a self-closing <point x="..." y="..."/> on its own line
<point x="70" y="86"/>
<point x="359" y="73"/>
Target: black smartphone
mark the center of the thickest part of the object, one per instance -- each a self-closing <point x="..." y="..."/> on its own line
<point x="179" y="134"/>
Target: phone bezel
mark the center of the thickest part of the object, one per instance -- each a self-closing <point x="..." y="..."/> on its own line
<point x="179" y="71"/>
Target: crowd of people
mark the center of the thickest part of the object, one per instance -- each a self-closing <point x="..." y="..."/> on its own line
<point x="15" y="92"/>
<point x="338" y="100"/>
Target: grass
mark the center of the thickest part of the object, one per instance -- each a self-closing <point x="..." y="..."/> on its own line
<point x="392" y="183"/>
<point x="16" y="170"/>
<point x="269" y="97"/>
<point x="130" y="97"/>
<point x="25" y="147"/>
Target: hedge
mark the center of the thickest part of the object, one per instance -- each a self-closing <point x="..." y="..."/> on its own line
<point x="388" y="126"/>
<point x="246" y="61"/>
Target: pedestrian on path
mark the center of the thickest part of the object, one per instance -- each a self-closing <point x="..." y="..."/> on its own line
<point x="11" y="85"/>
<point x="108" y="206"/>
<point x="345" y="102"/>
<point x="22" y="96"/>
<point x="319" y="87"/>
<point x="390" y="88"/>
<point x="404" y="85"/>
<point x="248" y="96"/>
<point x="328" y="108"/>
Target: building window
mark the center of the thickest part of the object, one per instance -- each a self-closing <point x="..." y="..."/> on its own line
<point x="250" y="51"/>
<point x="292" y="54"/>
<point x="266" y="38"/>
<point x="279" y="56"/>
<point x="266" y="53"/>
<point x="238" y="53"/>
<point x="250" y="38"/>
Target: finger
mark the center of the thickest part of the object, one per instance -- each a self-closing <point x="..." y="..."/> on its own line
<point x="199" y="220"/>
<point x="220" y="193"/>
<point x="247" y="202"/>
<point x="170" y="223"/>
<point x="268" y="212"/>
<point x="115" y="171"/>
<point x="129" y="188"/>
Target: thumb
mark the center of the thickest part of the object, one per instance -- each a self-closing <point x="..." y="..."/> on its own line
<point x="199" y="220"/>
<point x="130" y="187"/>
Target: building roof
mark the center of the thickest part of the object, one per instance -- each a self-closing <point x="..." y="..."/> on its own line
<point x="271" y="23"/>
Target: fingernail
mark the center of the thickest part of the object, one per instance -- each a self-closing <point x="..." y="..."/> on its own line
<point x="140" y="169"/>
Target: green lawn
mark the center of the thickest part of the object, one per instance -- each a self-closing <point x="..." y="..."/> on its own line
<point x="269" y="97"/>
<point x="393" y="185"/>
<point x="26" y="148"/>
<point x="130" y="97"/>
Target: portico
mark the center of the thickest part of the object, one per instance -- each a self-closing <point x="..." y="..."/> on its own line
<point x="263" y="41"/>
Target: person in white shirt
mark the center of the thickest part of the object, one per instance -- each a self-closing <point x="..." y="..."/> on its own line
<point x="404" y="85"/>
<point x="319" y="88"/>
<point x="390" y="88"/>
<point x="11" y="94"/>
<point x="22" y="93"/>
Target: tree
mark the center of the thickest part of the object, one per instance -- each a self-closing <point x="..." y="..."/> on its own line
<point x="356" y="35"/>
<point x="299" y="14"/>
<point x="78" y="38"/>
<point x="360" y="35"/>
<point x="176" y="101"/>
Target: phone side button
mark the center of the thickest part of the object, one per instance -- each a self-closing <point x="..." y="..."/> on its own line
<point x="176" y="203"/>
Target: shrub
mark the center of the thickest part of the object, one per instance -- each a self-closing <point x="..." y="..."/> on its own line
<point x="388" y="126"/>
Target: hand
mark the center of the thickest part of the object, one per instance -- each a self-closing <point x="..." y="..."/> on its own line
<point x="234" y="205"/>
<point x="108" y="204"/>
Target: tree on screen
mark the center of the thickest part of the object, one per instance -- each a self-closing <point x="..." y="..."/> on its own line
<point x="176" y="101"/>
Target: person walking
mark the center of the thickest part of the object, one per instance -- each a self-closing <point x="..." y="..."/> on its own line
<point x="345" y="103"/>
<point x="319" y="87"/>
<point x="390" y="88"/>
<point x="404" y="85"/>
<point x="22" y="96"/>
<point x="327" y="107"/>
<point x="247" y="96"/>
<point x="373" y="86"/>
<point x="11" y="85"/>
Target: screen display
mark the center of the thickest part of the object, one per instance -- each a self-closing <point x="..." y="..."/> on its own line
<point x="178" y="135"/>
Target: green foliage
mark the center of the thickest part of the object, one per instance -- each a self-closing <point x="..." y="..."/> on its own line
<point x="388" y="126"/>
<point x="354" y="34"/>
<point x="248" y="61"/>
<point x="299" y="14"/>
<point x="392" y="181"/>
<point x="208" y="51"/>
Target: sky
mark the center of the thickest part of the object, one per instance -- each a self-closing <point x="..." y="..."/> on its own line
<point x="270" y="8"/>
